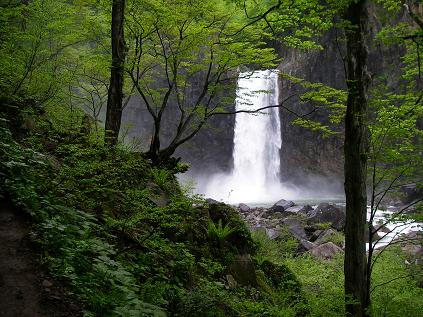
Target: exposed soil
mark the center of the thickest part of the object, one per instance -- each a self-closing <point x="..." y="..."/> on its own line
<point x="25" y="291"/>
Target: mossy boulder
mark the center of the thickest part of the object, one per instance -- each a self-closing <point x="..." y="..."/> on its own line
<point x="240" y="238"/>
<point x="243" y="270"/>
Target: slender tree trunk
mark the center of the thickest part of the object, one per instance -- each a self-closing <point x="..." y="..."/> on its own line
<point x="115" y="93"/>
<point x="355" y="150"/>
<point x="154" y="151"/>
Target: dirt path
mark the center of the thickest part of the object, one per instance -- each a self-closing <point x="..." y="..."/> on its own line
<point x="24" y="290"/>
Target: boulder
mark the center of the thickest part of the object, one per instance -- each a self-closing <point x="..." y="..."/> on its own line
<point x="244" y="208"/>
<point x="294" y="210"/>
<point x="241" y="237"/>
<point x="411" y="245"/>
<point x="377" y="235"/>
<point x="258" y="228"/>
<point x="326" y="251"/>
<point x="324" y="236"/>
<point x="381" y="228"/>
<point x="243" y="271"/>
<point x="412" y="193"/>
<point x="251" y="217"/>
<point x="408" y="210"/>
<point x="273" y="233"/>
<point x="281" y="277"/>
<point x="276" y="215"/>
<point x="282" y="205"/>
<point x="212" y="201"/>
<point x="157" y="195"/>
<point x="296" y="228"/>
<point x="327" y="213"/>
<point x="305" y="245"/>
<point x="47" y="284"/>
<point x="231" y="281"/>
<point x="315" y="235"/>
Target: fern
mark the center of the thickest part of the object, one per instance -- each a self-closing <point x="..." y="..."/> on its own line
<point x="219" y="232"/>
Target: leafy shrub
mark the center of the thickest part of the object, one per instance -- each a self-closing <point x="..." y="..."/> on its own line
<point x="195" y="303"/>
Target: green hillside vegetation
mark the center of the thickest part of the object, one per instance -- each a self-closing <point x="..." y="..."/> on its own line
<point x="127" y="240"/>
<point x="109" y="221"/>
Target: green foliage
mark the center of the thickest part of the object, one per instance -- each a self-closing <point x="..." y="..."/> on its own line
<point x="274" y="250"/>
<point x="121" y="234"/>
<point x="122" y="254"/>
<point x="219" y="232"/>
<point x="322" y="283"/>
<point x="396" y="136"/>
<point x="323" y="98"/>
<point x="395" y="290"/>
<point x="240" y="239"/>
<point x="295" y="24"/>
<point x="161" y="177"/>
<point x="89" y="264"/>
<point x="394" y="286"/>
<point x="18" y="169"/>
<point x="76" y="250"/>
<point x="119" y="252"/>
<point x="38" y="47"/>
<point x="284" y="279"/>
<point x="196" y="303"/>
<point x="337" y="238"/>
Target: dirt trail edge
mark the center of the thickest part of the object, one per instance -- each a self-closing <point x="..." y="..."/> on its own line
<point x="24" y="290"/>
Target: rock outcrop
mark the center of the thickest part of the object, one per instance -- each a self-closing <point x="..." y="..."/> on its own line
<point x="326" y="251"/>
<point x="328" y="213"/>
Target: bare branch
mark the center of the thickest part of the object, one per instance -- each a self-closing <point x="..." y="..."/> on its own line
<point x="258" y="17"/>
<point x="254" y="111"/>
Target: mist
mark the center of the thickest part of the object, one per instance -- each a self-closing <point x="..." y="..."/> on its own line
<point x="222" y="186"/>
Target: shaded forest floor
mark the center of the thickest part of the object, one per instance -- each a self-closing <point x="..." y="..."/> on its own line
<point x="25" y="290"/>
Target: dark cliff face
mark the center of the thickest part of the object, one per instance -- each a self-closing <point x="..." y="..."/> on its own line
<point x="306" y="152"/>
<point x="208" y="152"/>
<point x="303" y="152"/>
<point x="211" y="149"/>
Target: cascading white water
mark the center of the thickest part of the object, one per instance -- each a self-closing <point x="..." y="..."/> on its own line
<point x="257" y="143"/>
<point x="257" y="138"/>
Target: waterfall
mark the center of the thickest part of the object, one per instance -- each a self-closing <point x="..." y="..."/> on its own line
<point x="257" y="137"/>
<point x="257" y="143"/>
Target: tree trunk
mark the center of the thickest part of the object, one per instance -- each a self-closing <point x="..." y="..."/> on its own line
<point x="355" y="150"/>
<point x="154" y="151"/>
<point x="115" y="93"/>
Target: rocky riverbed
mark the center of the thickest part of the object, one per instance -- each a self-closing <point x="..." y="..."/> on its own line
<point x="319" y="228"/>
